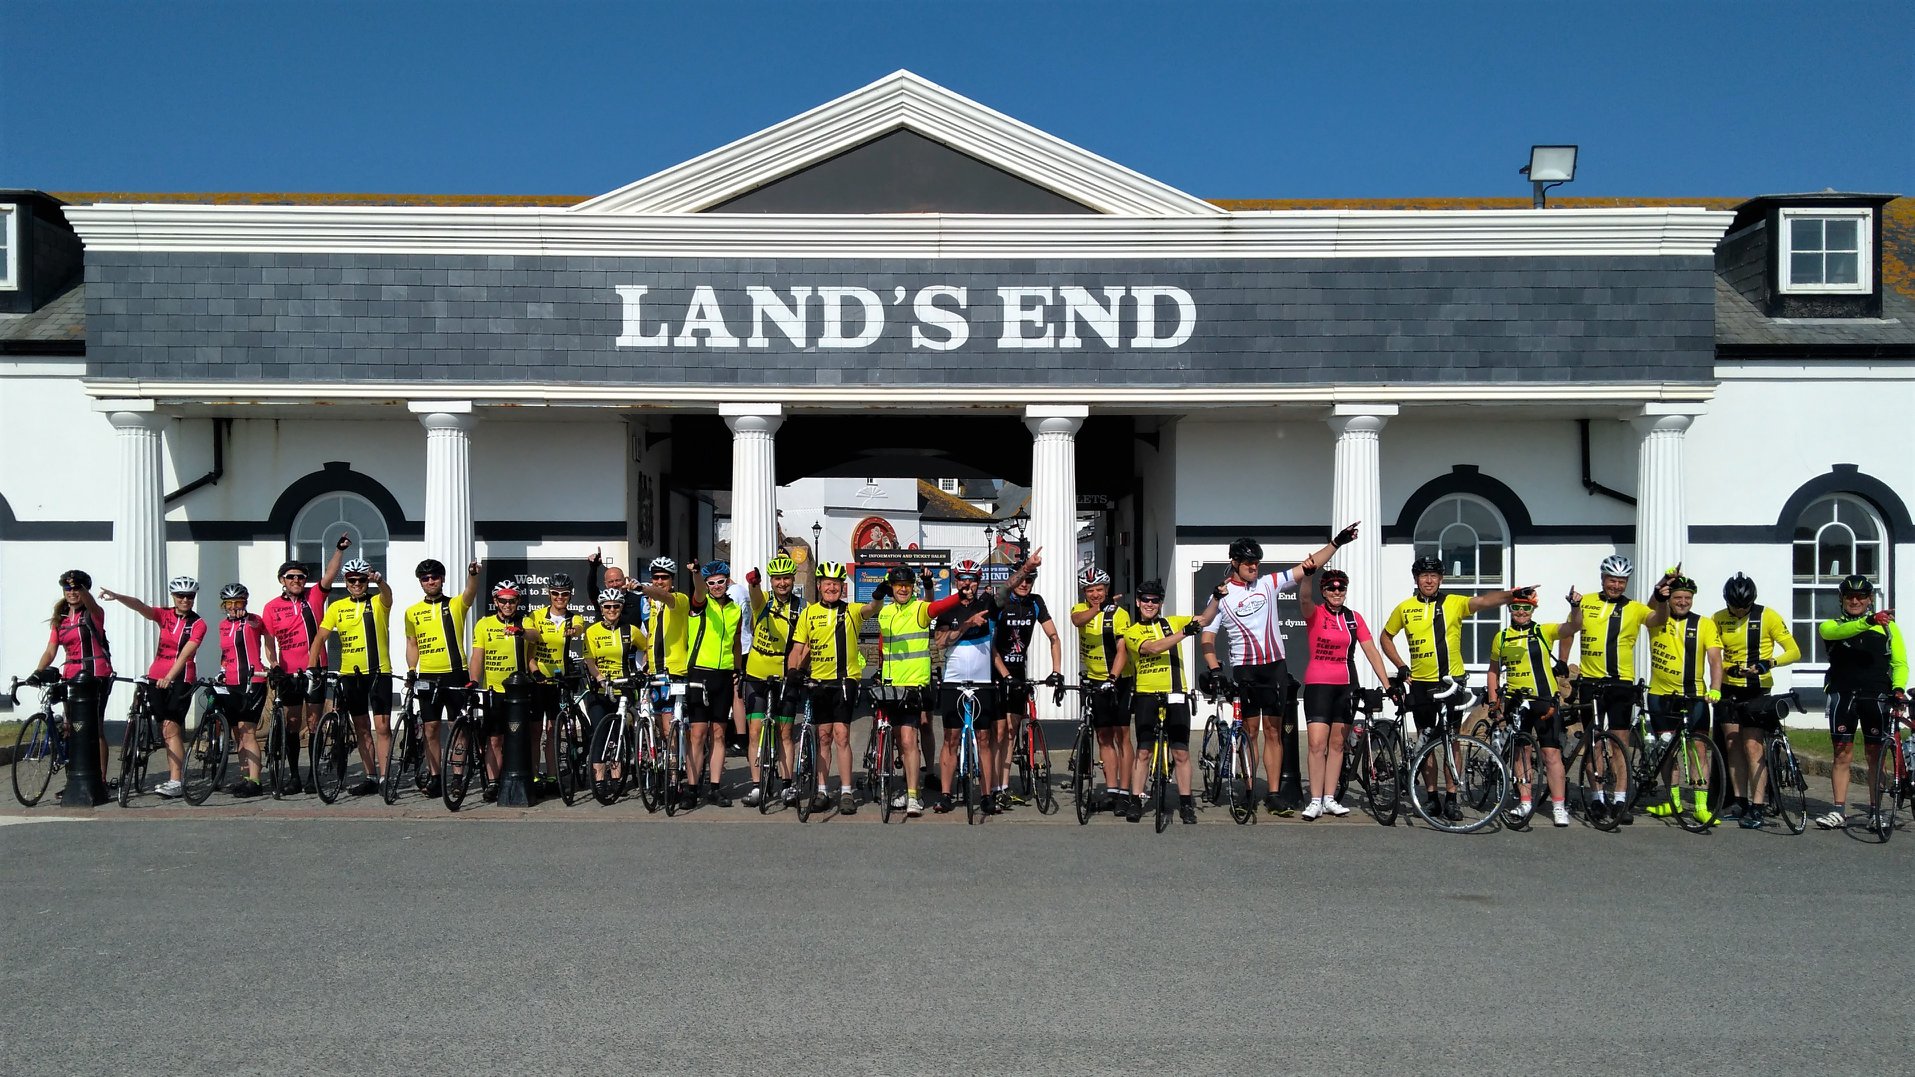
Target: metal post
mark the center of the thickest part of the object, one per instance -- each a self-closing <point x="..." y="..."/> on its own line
<point x="84" y="787"/>
<point x="515" y="762"/>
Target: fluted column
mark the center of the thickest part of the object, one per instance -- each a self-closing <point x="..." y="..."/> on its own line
<point x="449" y="538"/>
<point x="1356" y="494"/>
<point x="1054" y="528"/>
<point x="754" y="482"/>
<point x="1662" y="505"/>
<point x="139" y="530"/>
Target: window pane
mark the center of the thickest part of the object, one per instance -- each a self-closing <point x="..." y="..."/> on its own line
<point x="1804" y="561"/>
<point x="1805" y="268"/>
<point x="1844" y="269"/>
<point x="1816" y="515"/>
<point x="1805" y="234"/>
<point x="1492" y="562"/>
<point x="1479" y="518"/>
<point x="1842" y="235"/>
<point x="1868" y="561"/>
<point x="1858" y="519"/>
<point x="1834" y="556"/>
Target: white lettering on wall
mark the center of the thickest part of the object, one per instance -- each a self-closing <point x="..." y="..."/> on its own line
<point x="949" y="321"/>
<point x="703" y="316"/>
<point x="790" y="320"/>
<point x="632" y="335"/>
<point x="1097" y="318"/>
<point x="1146" y="297"/>
<point x="1018" y="314"/>
<point x="834" y="300"/>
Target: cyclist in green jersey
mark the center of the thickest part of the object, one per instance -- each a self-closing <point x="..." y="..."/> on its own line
<point x="1868" y="664"/>
<point x="904" y="649"/>
<point x="714" y="652"/>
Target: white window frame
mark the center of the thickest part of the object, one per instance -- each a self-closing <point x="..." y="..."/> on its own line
<point x="308" y="531"/>
<point x="1481" y="584"/>
<point x="10" y="258"/>
<point x="1806" y="636"/>
<point x="1865" y="256"/>
<point x="949" y="486"/>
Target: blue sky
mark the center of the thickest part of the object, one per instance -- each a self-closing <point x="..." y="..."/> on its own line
<point x="1263" y="100"/>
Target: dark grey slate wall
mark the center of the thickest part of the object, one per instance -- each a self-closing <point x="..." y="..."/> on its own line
<point x="267" y="317"/>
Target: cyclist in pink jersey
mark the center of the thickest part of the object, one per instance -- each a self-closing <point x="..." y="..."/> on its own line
<point x="1247" y="611"/>
<point x="79" y="635"/>
<point x="1337" y="632"/>
<point x="181" y="632"/>
<point x="293" y="617"/>
<point x="246" y="652"/>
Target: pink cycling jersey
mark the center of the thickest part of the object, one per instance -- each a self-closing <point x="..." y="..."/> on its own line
<point x="81" y="636"/>
<point x="293" y="623"/>
<point x="1334" y="636"/>
<point x="240" y="657"/>
<point x="176" y="631"/>
<point x="1248" y="615"/>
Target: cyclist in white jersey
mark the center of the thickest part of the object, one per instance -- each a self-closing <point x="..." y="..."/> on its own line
<point x="1247" y="613"/>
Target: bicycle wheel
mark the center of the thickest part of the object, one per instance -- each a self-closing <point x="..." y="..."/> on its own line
<point x="395" y="762"/>
<point x="1382" y="766"/>
<point x="1463" y="766"/>
<point x="1210" y="762"/>
<point x="644" y="768"/>
<point x="1040" y="773"/>
<point x="675" y="764"/>
<point x="1698" y="769"/>
<point x="35" y="755"/>
<point x="804" y="772"/>
<point x="1084" y="773"/>
<point x="1237" y="785"/>
<point x="1788" y="789"/>
<point x="276" y="752"/>
<point x="608" y="743"/>
<point x="1160" y="798"/>
<point x="570" y="755"/>
<point x="205" y="760"/>
<point x="970" y="774"/>
<point x="457" y="764"/>
<point x="1598" y="777"/>
<point x="332" y="745"/>
<point x="131" y="746"/>
<point x="1523" y="760"/>
<point x="1882" y="796"/>
<point x="767" y="765"/>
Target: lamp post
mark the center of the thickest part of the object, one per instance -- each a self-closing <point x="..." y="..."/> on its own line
<point x="1023" y="548"/>
<point x="990" y="543"/>
<point x="1549" y="166"/>
<point x="817" y="539"/>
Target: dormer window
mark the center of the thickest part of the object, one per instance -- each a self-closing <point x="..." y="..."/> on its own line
<point x="1826" y="251"/>
<point x="9" y="248"/>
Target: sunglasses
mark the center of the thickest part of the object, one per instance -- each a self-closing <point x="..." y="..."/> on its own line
<point x="559" y="594"/>
<point x="72" y="590"/>
<point x="358" y="579"/>
<point x="1143" y="601"/>
<point x="1334" y="588"/>
<point x="432" y="576"/>
<point x="294" y="577"/>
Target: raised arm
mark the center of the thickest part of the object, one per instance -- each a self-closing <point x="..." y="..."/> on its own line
<point x="129" y="602"/>
<point x="338" y="558"/>
<point x="1494" y="599"/>
<point x="471" y="592"/>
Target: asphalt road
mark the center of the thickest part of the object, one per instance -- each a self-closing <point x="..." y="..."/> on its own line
<point x="590" y="940"/>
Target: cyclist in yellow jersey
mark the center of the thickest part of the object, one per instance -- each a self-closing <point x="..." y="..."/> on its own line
<point x="614" y="651"/>
<point x="1610" y="623"/>
<point x="826" y="641"/>
<point x="1522" y="660"/>
<point x="503" y="647"/>
<point x="773" y="617"/>
<point x="1432" y="622"/>
<point x="1155" y="644"/>
<point x="359" y="620"/>
<point x="670" y="614"/>
<point x="716" y="651"/>
<point x="1685" y="681"/>
<point x="435" y="653"/>
<point x="904" y="648"/>
<point x="1101" y="622"/>
<point x="1755" y="640"/>
<point x="553" y="630"/>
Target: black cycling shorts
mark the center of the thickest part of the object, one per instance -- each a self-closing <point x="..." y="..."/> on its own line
<point x="834" y="703"/>
<point x="1848" y="711"/>
<point x="291" y="690"/>
<point x="1673" y="714"/>
<point x="172" y="703"/>
<point x="1542" y="719"/>
<point x="762" y="697"/>
<point x="1263" y="688"/>
<point x="242" y="705"/>
<point x="1145" y="711"/>
<point x="1109" y="709"/>
<point x="1615" y="703"/>
<point x="1745" y="706"/>
<point x="1015" y="697"/>
<point x="909" y="707"/>
<point x="1326" y="703"/>
<point x="708" y="695"/>
<point x="360" y="693"/>
<point x="987" y="713"/>
<point x="441" y="696"/>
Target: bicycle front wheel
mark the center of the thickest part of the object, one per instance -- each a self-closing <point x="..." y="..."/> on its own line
<point x="1210" y="761"/>
<point x="35" y="758"/>
<point x="1882" y="792"/>
<point x="205" y="760"/>
<point x="969" y="775"/>
<point x="767" y="766"/>
<point x="458" y="763"/>
<point x="131" y="747"/>
<point x="332" y="746"/>
<point x="1040" y="773"/>
<point x="276" y="753"/>
<point x="1160" y="799"/>
<point x="1382" y="767"/>
<point x="885" y="773"/>
<point x="395" y="762"/>
<point x="608" y="745"/>
<point x="804" y="775"/>
<point x="1598" y="779"/>
<point x="1458" y="784"/>
<point x="1788" y="789"/>
<point x="1084" y="773"/>
<point x="570" y="758"/>
<point x="1698" y="769"/>
<point x="1237" y="784"/>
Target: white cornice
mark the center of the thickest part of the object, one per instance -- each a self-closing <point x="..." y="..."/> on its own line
<point x="900" y="100"/>
<point x="540" y="231"/>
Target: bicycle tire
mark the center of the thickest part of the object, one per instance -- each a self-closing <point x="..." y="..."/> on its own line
<point x="1383" y="766"/>
<point x="1210" y="760"/>
<point x="970" y="773"/>
<point x="1160" y="800"/>
<point x="607" y="744"/>
<point x="1479" y="776"/>
<point x="1084" y="773"/>
<point x="330" y="748"/>
<point x="1604" y="759"/>
<point x="881" y="773"/>
<point x="767" y="766"/>
<point x="1242" y="808"/>
<point x="675" y="764"/>
<point x="457" y="762"/>
<point x="1696" y="778"/>
<point x="130" y="778"/>
<point x="1041" y="792"/>
<point x="276" y="752"/>
<point x="1538" y="775"/>
<point x="205" y="761"/>
<point x="1883" y="792"/>
<point x="35" y="757"/>
<point x="804" y="773"/>
<point x="568" y="755"/>
<point x="395" y="762"/>
<point x="1788" y="789"/>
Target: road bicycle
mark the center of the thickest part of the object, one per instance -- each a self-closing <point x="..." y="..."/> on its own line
<point x="276" y="734"/>
<point x="1888" y="778"/>
<point x="1158" y="784"/>
<point x="567" y="734"/>
<point x="804" y="768"/>
<point x="678" y="791"/>
<point x="462" y="757"/>
<point x="1030" y="757"/>
<point x="139" y="740"/>
<point x="624" y="750"/>
<point x="1457" y="782"/>
<point x="1785" y="788"/>
<point x="333" y="739"/>
<point x="766" y="751"/>
<point x="1695" y="767"/>
<point x="406" y="753"/>
<point x="1597" y="758"/>
<point x="210" y="744"/>
<point x="1225" y="759"/>
<point x="40" y="748"/>
<point x="1509" y="730"/>
<point x="1373" y="756"/>
<point x="883" y="754"/>
<point x="969" y="775"/>
<point x="1084" y="763"/>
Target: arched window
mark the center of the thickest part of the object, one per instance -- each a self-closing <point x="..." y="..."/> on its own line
<point x="1470" y="537"/>
<point x="1836" y="535"/>
<point x="326" y="517"/>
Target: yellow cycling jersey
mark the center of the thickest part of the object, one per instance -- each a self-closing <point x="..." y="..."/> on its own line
<point x="1762" y="636"/>
<point x="830" y="631"/>
<point x="617" y="651"/>
<point x="1434" y="628"/>
<point x="904" y="632"/>
<point x="1163" y="671"/>
<point x="504" y="646"/>
<point x="553" y="654"/>
<point x="438" y="628"/>
<point x="1609" y="631"/>
<point x="360" y="627"/>
<point x="1097" y="640"/>
<point x="713" y="631"/>
<point x="666" y="630"/>
<point x="1525" y="657"/>
<point x="1679" y="655"/>
<point x="771" y="625"/>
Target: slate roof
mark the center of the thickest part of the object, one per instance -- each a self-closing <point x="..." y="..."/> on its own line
<point x="62" y="321"/>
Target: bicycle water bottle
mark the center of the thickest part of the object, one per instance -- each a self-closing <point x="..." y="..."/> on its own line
<point x="1663" y="740"/>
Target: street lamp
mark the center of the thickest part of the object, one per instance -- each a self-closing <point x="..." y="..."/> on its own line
<point x="1021" y="522"/>
<point x="817" y="538"/>
<point x="990" y="543"/>
<point x="1549" y="166"/>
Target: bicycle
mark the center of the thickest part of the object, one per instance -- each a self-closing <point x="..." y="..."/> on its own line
<point x="1084" y="763"/>
<point x="767" y="752"/>
<point x="1507" y="729"/>
<point x="40" y="748"/>
<point x="678" y="792"/>
<point x="1697" y="767"/>
<point x="1781" y="772"/>
<point x="1373" y="756"/>
<point x="1157" y="787"/>
<point x="969" y="774"/>
<point x="569" y="731"/>
<point x="332" y="741"/>
<point x="140" y="739"/>
<point x="276" y="735"/>
<point x="883" y="755"/>
<point x="1225" y="759"/>
<point x="463" y="754"/>
<point x="406" y="753"/>
<point x="625" y="746"/>
<point x="1029" y="754"/>
<point x="1466" y="776"/>
<point x="210" y="745"/>
<point x="1889" y="778"/>
<point x="804" y="769"/>
<point x="1599" y="757"/>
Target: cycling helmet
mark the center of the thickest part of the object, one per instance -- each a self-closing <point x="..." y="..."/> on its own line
<point x="1616" y="565"/>
<point x="560" y="582"/>
<point x="505" y="589"/>
<point x="182" y="585"/>
<point x="900" y="574"/>
<point x="665" y="565"/>
<point x="358" y="566"/>
<point x="75" y="578"/>
<point x="967" y="569"/>
<point x="1856" y="584"/>
<point x="780" y="566"/>
<point x="716" y="568"/>
<point x="1246" y="549"/>
<point x="429" y="567"/>
<point x="1739" y="591"/>
<point x="1150" y="591"/>
<point x="1092" y="576"/>
<point x="289" y="566"/>
<point x="611" y="596"/>
<point x="1334" y="575"/>
<point x="1682" y="583"/>
<point x="1523" y="600"/>
<point x="1426" y="564"/>
<point x="232" y="591"/>
<point x="831" y="570"/>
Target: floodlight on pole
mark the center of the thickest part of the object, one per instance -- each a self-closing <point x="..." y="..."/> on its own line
<point x="1549" y="166"/>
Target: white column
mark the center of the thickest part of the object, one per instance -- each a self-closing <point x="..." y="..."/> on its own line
<point x="1662" y="504"/>
<point x="448" y="426"/>
<point x="754" y="483"/>
<point x="1054" y="530"/>
<point x="1356" y="494"/>
<point x="139" y="532"/>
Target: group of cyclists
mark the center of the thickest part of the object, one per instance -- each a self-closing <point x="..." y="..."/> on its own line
<point x="725" y="660"/>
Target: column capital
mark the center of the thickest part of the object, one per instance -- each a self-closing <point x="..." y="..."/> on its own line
<point x="1361" y="418"/>
<point x="1667" y="418"/>
<point x="762" y="418"/>
<point x="443" y="414"/>
<point x="1055" y="420"/>
<point x="131" y="414"/>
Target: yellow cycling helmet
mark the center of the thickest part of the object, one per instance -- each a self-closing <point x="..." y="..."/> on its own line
<point x="831" y="570"/>
<point x="780" y="566"/>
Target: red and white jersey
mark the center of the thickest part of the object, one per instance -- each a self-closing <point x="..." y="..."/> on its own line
<point x="1248" y="616"/>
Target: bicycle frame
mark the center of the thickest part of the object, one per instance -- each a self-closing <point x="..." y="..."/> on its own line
<point x="970" y="771"/>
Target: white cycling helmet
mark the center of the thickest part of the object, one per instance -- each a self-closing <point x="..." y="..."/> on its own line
<point x="183" y="585"/>
<point x="358" y="566"/>
<point x="611" y="596"/>
<point x="1092" y="576"/>
<point x="1616" y="565"/>
<point x="663" y="564"/>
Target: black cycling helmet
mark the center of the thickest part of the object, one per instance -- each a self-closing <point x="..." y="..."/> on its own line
<point x="1336" y="576"/>
<point x="289" y="566"/>
<point x="429" y="567"/>
<point x="1857" y="584"/>
<point x="1150" y="589"/>
<point x="1426" y="564"/>
<point x="1682" y="583"/>
<point x="560" y="582"/>
<point x="1246" y="549"/>
<point x="1739" y="592"/>
<point x="74" y="577"/>
<point x="899" y="574"/>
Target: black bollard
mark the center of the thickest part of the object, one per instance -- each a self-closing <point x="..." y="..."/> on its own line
<point x="84" y="787"/>
<point x="1290" y="778"/>
<point x="517" y="755"/>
